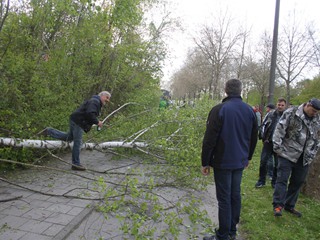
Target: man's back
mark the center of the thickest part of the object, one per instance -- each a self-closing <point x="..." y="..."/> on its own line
<point x="231" y="134"/>
<point x="239" y="122"/>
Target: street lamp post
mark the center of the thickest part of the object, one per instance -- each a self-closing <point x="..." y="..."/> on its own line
<point x="274" y="53"/>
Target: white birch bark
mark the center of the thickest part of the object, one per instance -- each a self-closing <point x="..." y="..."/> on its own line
<point x="54" y="144"/>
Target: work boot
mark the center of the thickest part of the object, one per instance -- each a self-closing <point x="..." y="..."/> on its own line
<point x="213" y="237"/>
<point x="78" y="167"/>
<point x="232" y="237"/>
<point x="293" y="211"/>
<point x="260" y="184"/>
<point x="277" y="211"/>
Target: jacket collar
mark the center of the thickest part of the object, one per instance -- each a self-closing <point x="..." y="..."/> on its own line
<point x="231" y="97"/>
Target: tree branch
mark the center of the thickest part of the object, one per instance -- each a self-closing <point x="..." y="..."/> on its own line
<point x="10" y="199"/>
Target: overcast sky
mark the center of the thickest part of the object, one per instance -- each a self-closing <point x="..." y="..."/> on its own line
<point x="257" y="15"/>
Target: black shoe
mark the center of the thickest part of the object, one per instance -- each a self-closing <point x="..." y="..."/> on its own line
<point x="43" y="132"/>
<point x="293" y="211"/>
<point x="277" y="211"/>
<point x="259" y="184"/>
<point x="213" y="237"/>
<point x="78" y="168"/>
<point x="232" y="237"/>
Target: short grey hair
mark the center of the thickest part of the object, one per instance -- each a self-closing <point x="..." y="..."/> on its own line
<point x="233" y="87"/>
<point x="105" y="93"/>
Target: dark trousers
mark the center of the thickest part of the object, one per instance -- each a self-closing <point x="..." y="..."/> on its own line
<point x="284" y="195"/>
<point x="74" y="134"/>
<point x="266" y="154"/>
<point x="228" y="193"/>
<point x="270" y="167"/>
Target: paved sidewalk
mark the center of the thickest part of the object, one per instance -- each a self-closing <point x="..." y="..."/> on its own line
<point x="36" y="216"/>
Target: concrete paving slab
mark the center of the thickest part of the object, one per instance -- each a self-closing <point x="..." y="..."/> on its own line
<point x="5" y="205"/>
<point x="17" y="209"/>
<point x="12" y="222"/>
<point x="34" y="236"/>
<point x="35" y="226"/>
<point x="69" y="228"/>
<point x="11" y="234"/>
<point x="79" y="203"/>
<point x="38" y="204"/>
<point x="37" y="214"/>
<point x="55" y="200"/>
<point x="53" y="230"/>
<point x="59" y="208"/>
<point x="60" y="218"/>
<point x="37" y="197"/>
<point x="75" y="211"/>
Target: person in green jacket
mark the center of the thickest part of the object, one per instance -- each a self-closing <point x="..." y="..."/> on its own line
<point x="164" y="103"/>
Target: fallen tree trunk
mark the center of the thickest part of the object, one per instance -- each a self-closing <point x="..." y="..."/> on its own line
<point x="54" y="144"/>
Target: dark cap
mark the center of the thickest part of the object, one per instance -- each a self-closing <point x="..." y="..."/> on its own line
<point x="315" y="103"/>
<point x="270" y="105"/>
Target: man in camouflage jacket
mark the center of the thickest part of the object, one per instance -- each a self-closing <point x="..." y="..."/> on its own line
<point x="296" y="140"/>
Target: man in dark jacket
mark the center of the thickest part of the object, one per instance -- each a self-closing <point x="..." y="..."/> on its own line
<point x="228" y="145"/>
<point x="268" y="126"/>
<point x="81" y="120"/>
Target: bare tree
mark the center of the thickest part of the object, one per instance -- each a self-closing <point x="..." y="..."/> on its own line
<point x="316" y="46"/>
<point x="193" y="77"/>
<point x="257" y="67"/>
<point x="217" y="42"/>
<point x="239" y="59"/>
<point x="179" y="85"/>
<point x="295" y="52"/>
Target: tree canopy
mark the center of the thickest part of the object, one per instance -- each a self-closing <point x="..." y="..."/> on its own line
<point x="54" y="54"/>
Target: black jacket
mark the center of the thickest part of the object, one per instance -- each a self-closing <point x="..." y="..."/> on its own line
<point x="269" y="125"/>
<point x="87" y="114"/>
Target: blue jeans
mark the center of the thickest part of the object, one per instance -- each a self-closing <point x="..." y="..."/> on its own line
<point x="228" y="192"/>
<point x="297" y="172"/>
<point x="266" y="154"/>
<point x="74" y="134"/>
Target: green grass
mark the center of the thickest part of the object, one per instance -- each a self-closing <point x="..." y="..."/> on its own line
<point x="257" y="220"/>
